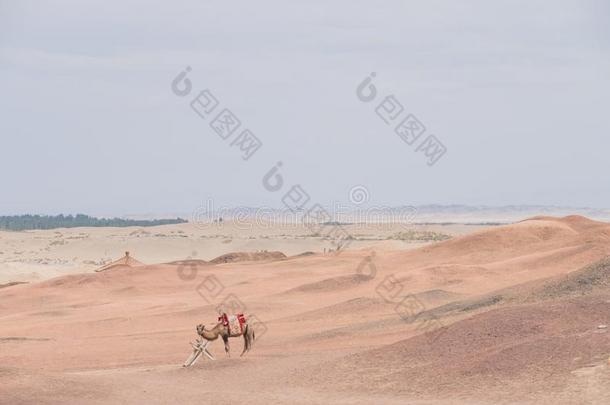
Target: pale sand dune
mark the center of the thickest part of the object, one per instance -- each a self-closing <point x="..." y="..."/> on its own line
<point x="39" y="255"/>
<point x="123" y="333"/>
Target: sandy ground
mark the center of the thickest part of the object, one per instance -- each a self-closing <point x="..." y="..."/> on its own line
<point x="40" y="255"/>
<point x="485" y="317"/>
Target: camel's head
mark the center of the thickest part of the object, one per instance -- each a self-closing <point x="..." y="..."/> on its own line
<point x="200" y="328"/>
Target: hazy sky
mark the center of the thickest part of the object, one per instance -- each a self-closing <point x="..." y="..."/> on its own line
<point x="517" y="91"/>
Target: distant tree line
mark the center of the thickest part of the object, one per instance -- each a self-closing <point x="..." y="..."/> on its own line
<point x="26" y="222"/>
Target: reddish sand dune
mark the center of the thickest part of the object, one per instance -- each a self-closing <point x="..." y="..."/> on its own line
<point x="487" y="260"/>
<point x="529" y="348"/>
<point x="548" y="336"/>
<point x="120" y="336"/>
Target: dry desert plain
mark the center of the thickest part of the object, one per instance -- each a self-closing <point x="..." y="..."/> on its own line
<point x="495" y="314"/>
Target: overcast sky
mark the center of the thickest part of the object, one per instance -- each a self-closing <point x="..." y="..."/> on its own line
<point x="517" y="91"/>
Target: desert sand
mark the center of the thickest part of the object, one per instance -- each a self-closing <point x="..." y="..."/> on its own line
<point x="40" y="255"/>
<point x="509" y="314"/>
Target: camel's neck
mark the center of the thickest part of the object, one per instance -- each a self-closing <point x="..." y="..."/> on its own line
<point x="213" y="333"/>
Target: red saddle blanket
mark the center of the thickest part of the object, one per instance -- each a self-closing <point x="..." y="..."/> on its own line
<point x="235" y="323"/>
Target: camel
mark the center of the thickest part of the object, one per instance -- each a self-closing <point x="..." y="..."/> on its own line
<point x="223" y="331"/>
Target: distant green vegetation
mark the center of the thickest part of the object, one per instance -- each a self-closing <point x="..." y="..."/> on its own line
<point x="26" y="222"/>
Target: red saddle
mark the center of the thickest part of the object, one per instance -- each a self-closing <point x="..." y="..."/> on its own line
<point x="224" y="318"/>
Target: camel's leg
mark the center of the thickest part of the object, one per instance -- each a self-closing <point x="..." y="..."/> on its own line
<point x="250" y="332"/>
<point x="246" y="348"/>
<point x="246" y="342"/>
<point x="227" y="346"/>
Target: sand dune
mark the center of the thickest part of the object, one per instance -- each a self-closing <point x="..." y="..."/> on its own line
<point x="40" y="255"/>
<point x="235" y="257"/>
<point x="516" y="303"/>
<point x="526" y="348"/>
<point x="332" y="284"/>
